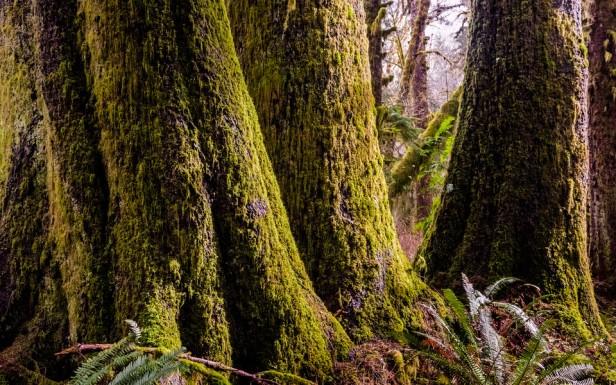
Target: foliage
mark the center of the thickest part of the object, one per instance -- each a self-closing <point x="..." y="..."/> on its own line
<point x="470" y="349"/>
<point x="128" y="363"/>
<point x="392" y="121"/>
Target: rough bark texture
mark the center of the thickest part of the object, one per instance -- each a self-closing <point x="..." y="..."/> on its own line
<point x="602" y="232"/>
<point x="414" y="81"/>
<point x="374" y="16"/>
<point x="134" y="183"/>
<point x="306" y="65"/>
<point x="515" y="197"/>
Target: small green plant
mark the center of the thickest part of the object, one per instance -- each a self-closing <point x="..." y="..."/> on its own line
<point x="392" y="121"/>
<point x="124" y="363"/>
<point x="471" y="351"/>
<point x="128" y="363"/>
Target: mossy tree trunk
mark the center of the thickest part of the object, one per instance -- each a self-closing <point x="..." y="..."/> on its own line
<point x="414" y="205"/>
<point x="414" y="81"/>
<point x="515" y="197"/>
<point x="375" y="12"/>
<point x="306" y="65"/>
<point x="134" y="183"/>
<point x="602" y="234"/>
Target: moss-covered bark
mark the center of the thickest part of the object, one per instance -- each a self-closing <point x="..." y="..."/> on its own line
<point x="306" y="65"/>
<point x="515" y="197"/>
<point x="414" y="81"/>
<point x="375" y="12"/>
<point x="416" y="180"/>
<point x="137" y="185"/>
<point x="602" y="234"/>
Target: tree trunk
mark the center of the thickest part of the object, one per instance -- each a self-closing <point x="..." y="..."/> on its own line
<point x="515" y="197"/>
<point x="306" y="65"/>
<point x="374" y="16"/>
<point x="602" y="232"/>
<point x="135" y="184"/>
<point x="414" y="82"/>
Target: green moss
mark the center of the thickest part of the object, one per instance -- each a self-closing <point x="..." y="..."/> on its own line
<point x="141" y="188"/>
<point x="323" y="146"/>
<point x="285" y="378"/>
<point x="430" y="142"/>
<point x="516" y="198"/>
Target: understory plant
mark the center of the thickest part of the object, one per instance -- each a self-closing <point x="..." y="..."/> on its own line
<point x="468" y="349"/>
<point x="126" y="362"/>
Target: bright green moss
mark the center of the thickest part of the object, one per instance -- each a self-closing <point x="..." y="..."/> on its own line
<point x="144" y="191"/>
<point x="317" y="116"/>
<point x="430" y="141"/>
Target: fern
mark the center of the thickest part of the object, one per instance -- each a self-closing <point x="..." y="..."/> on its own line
<point x="476" y="353"/>
<point x="459" y="311"/>
<point x="528" y="360"/>
<point x="95" y="368"/>
<point x="497" y="286"/>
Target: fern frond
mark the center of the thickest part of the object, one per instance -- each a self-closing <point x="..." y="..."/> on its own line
<point x="93" y="370"/>
<point x="147" y="371"/>
<point x="520" y="316"/>
<point x="135" y="330"/>
<point x="571" y="374"/>
<point x="557" y="364"/>
<point x="132" y="371"/>
<point x="528" y="360"/>
<point x="457" y="307"/>
<point x="458" y="346"/>
<point x="475" y="298"/>
<point x="492" y="344"/>
<point x="450" y="367"/>
<point x="497" y="286"/>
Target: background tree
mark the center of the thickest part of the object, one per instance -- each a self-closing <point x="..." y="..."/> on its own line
<point x="515" y="197"/>
<point x="602" y="234"/>
<point x="306" y="65"/>
<point x="414" y="82"/>
<point x="135" y="183"/>
<point x="375" y="12"/>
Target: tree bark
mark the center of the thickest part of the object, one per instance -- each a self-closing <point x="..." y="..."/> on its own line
<point x="134" y="183"/>
<point x="306" y="65"/>
<point x="515" y="197"/>
<point x="374" y="10"/>
<point x="414" y="82"/>
<point x="602" y="234"/>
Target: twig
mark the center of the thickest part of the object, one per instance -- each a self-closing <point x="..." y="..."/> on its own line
<point x="84" y="348"/>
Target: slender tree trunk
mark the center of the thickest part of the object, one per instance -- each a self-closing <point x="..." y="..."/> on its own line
<point x="602" y="234"/>
<point x="306" y="65"/>
<point x="414" y="82"/>
<point x="515" y="197"/>
<point x="135" y="184"/>
<point x="374" y="16"/>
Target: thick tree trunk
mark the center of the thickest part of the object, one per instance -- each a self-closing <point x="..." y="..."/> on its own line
<point x="515" y="197"/>
<point x="306" y="65"/>
<point x="414" y="82"/>
<point x="602" y="232"/>
<point x="135" y="184"/>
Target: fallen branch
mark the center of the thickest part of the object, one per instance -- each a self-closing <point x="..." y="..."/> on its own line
<point x="85" y="348"/>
